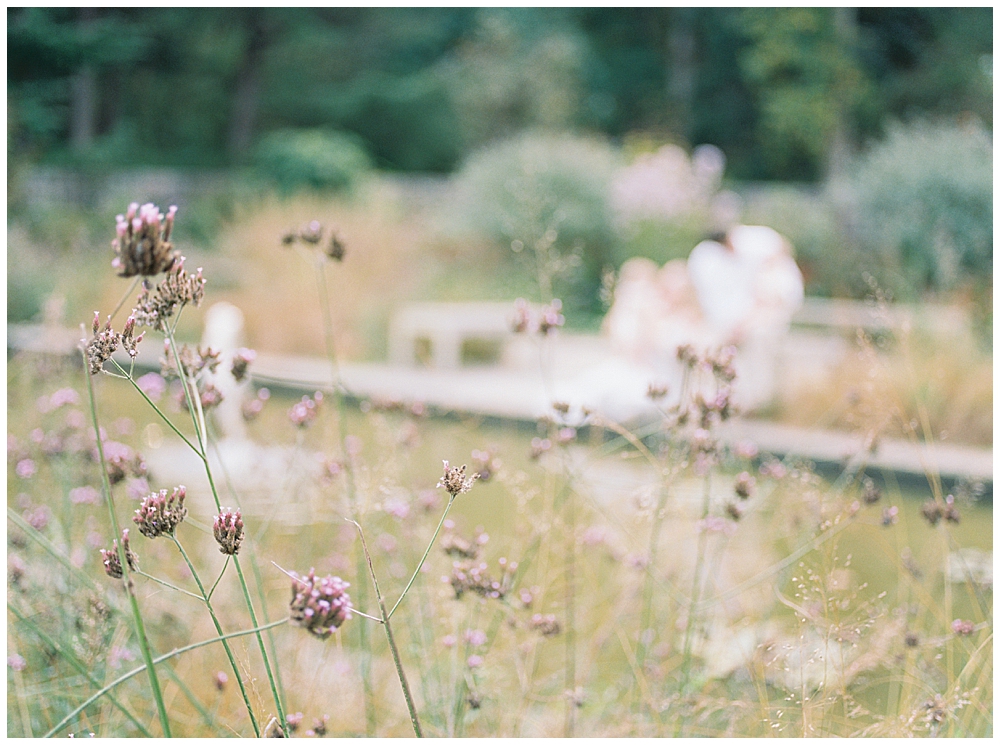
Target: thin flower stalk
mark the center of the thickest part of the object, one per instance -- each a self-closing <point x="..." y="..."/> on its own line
<point x="162" y="658"/>
<point x="414" y="720"/>
<point x="198" y="419"/>
<point x="218" y="627"/>
<point x="140" y="628"/>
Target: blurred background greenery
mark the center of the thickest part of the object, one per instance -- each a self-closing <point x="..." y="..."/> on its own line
<point x="864" y="134"/>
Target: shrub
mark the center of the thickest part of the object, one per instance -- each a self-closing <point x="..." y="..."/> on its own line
<point x="542" y="188"/>
<point x="923" y="199"/>
<point x="311" y="159"/>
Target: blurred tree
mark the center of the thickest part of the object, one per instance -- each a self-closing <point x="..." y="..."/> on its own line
<point x="803" y="65"/>
<point x="785" y="92"/>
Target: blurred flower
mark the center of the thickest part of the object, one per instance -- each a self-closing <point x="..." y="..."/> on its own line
<point x="398" y="508"/>
<point x="734" y="511"/>
<point x="550" y="317"/>
<point x="228" y="530"/>
<point x="890" y="516"/>
<point x="220" y="679"/>
<point x="251" y="409"/>
<point x="37" y="517"/>
<point x="142" y="245"/>
<point x="746" y="449"/>
<point x="64" y="397"/>
<point x="25" y="469"/>
<point x="546" y="625"/>
<point x="449" y="641"/>
<point x="474" y="661"/>
<point x="476" y="638"/>
<point x="932" y="512"/>
<point x="84" y="495"/>
<point x="121" y="461"/>
<point x="656" y="391"/>
<point x="153" y="385"/>
<point x="523" y="320"/>
<point x="319" y="605"/>
<point x="962" y="628"/>
<point x="294" y="720"/>
<point x="119" y="654"/>
<point x="112" y="562"/>
<point x="16" y="663"/>
<point x="950" y="511"/>
<point x="745" y="485"/>
<point x="137" y="488"/>
<point x="241" y="362"/>
<point x="539" y="446"/>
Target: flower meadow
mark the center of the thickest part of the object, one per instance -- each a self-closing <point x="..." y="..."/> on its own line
<point x="409" y="572"/>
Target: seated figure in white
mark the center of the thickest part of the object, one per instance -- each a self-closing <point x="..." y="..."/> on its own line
<point x="740" y="289"/>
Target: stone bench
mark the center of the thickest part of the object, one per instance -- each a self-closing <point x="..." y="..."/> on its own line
<point x="436" y="333"/>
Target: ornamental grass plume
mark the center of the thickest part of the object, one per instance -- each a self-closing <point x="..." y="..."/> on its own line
<point x="112" y="562"/>
<point x="228" y="530"/>
<point x="143" y="244"/>
<point x="319" y="606"/>
<point x="160" y="514"/>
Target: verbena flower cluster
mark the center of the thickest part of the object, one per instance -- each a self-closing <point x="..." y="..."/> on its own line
<point x="543" y="321"/>
<point x="467" y="576"/>
<point x="193" y="360"/>
<point x="228" y="530"/>
<point x="143" y="244"/>
<point x="312" y="235"/>
<point x="160" y="513"/>
<point x="319" y="606"/>
<point x="454" y="481"/>
<point x="121" y="461"/>
<point x="154" y="308"/>
<point x="304" y="412"/>
<point x="112" y="562"/>
<point x="106" y="341"/>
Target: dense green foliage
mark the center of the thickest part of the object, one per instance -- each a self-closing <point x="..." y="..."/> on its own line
<point x="784" y="92"/>
<point x="313" y="158"/>
<point x="932" y="214"/>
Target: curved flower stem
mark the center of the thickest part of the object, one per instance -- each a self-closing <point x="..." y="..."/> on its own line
<point x="162" y="658"/>
<point x="424" y="557"/>
<point x="167" y="584"/>
<point x="156" y="408"/>
<point x="198" y="419"/>
<point x="217" y="581"/>
<point x="218" y="627"/>
<point x="125" y="297"/>
<point x="388" y="634"/>
<point x="154" y="682"/>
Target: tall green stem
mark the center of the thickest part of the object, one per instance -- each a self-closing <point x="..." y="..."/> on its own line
<point x="389" y="637"/>
<point x="140" y="628"/>
<point x="423" y="558"/>
<point x="695" y="589"/>
<point x="218" y="628"/>
<point x="198" y="419"/>
<point x="162" y="658"/>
